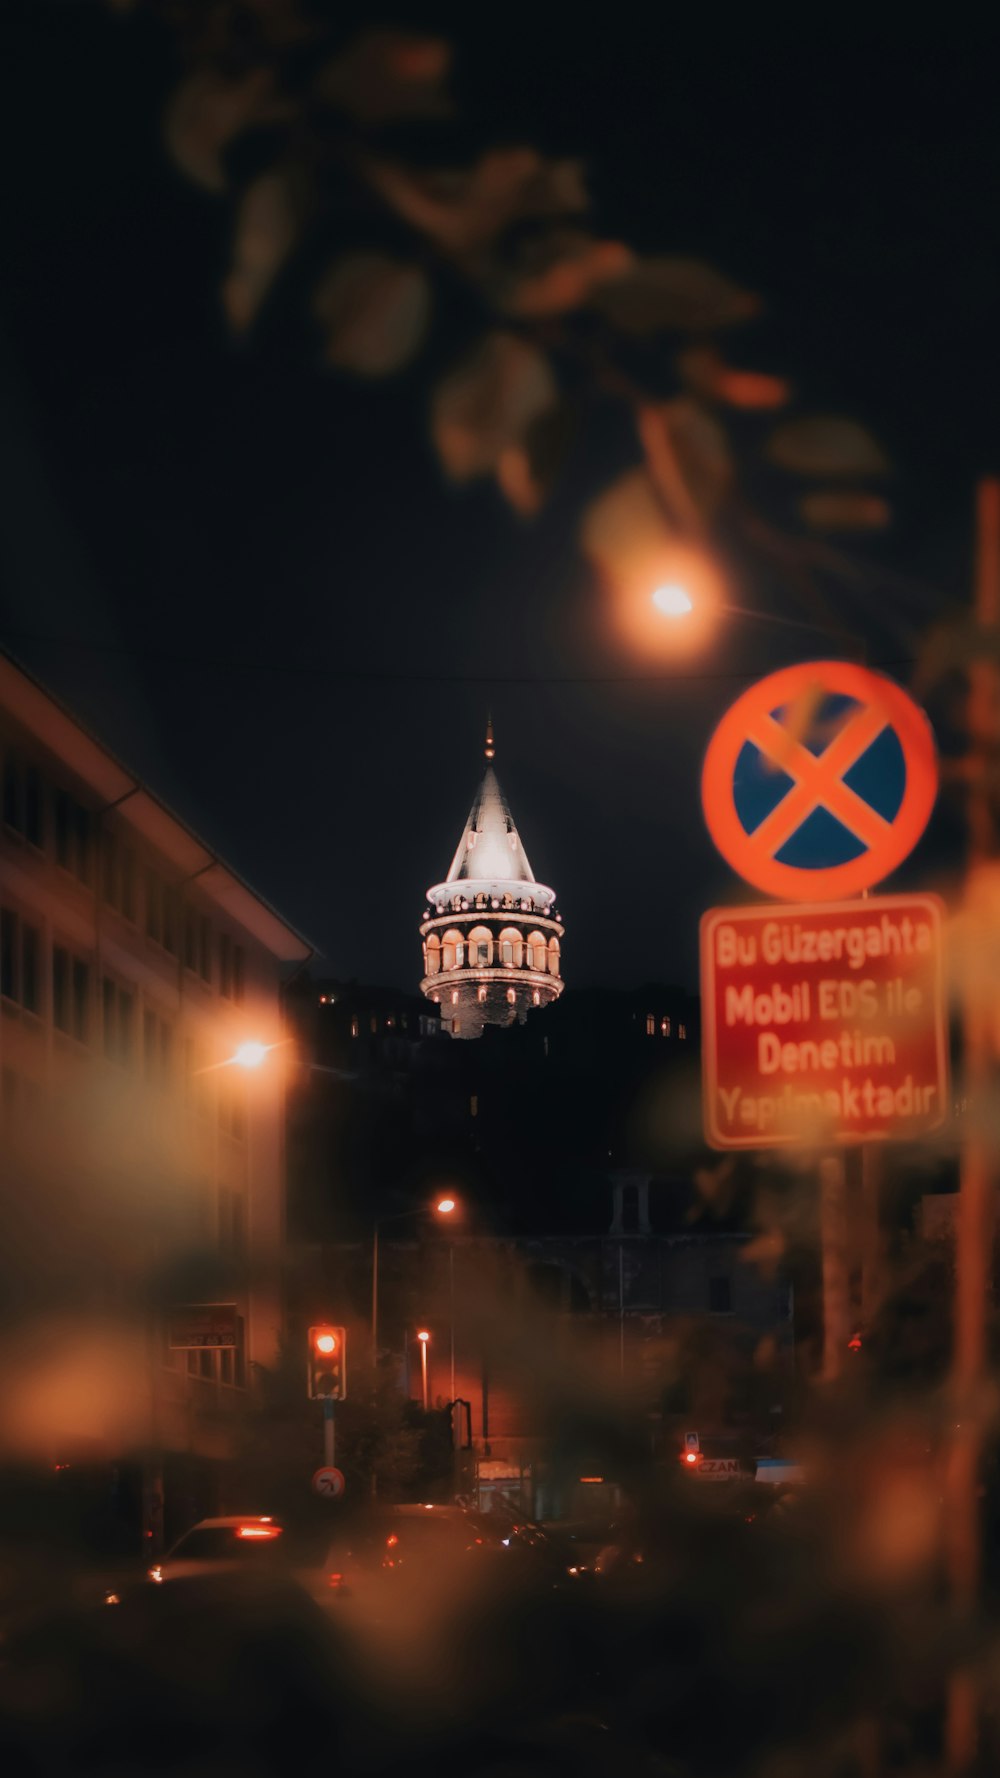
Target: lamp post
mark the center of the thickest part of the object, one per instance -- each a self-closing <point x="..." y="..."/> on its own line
<point x="424" y="1337"/>
<point x="445" y="1206"/>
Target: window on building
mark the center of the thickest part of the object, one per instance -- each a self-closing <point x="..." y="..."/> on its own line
<point x="170" y="919"/>
<point x="452" y="950"/>
<point x="22" y="799"/>
<point x="232" y="1106"/>
<point x="11" y="794"/>
<point x="109" y="868"/>
<point x="682" y="1032"/>
<point x="481" y="947"/>
<point x="154" y="907"/>
<point x="117" y="1021"/>
<point x="190" y="949"/>
<point x="8" y="954"/>
<point x="231" y="968"/>
<point x="20" y="961"/>
<point x="205" y="948"/>
<point x="354" y="1026"/>
<point x="481" y="995"/>
<point x="720" y="1296"/>
<point x="553" y="956"/>
<point x="157" y="1047"/>
<point x="73" y="825"/>
<point x="126" y="881"/>
<point x="511" y="996"/>
<point x="432" y="952"/>
<point x="664" y="1027"/>
<point x="70" y="993"/>
<point x="650" y="1025"/>
<point x="232" y="1222"/>
<point x="511" y="948"/>
<point x="118" y="874"/>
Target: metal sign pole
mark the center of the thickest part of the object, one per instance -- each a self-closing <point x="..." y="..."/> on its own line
<point x="329" y="1434"/>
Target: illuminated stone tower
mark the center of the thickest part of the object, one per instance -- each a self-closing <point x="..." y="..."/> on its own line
<point x="492" y="937"/>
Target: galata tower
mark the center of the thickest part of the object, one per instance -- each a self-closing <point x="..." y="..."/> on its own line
<point x="492" y="936"/>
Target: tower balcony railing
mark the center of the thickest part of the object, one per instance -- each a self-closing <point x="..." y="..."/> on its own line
<point x="439" y="983"/>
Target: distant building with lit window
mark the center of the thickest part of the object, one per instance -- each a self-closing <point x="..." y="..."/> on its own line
<point x="142" y="1172"/>
<point x="492" y="938"/>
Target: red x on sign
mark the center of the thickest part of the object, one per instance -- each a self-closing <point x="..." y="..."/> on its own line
<point x="773" y="719"/>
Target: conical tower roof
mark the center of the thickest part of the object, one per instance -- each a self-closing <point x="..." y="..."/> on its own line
<point x="490" y="847"/>
<point x="490" y="858"/>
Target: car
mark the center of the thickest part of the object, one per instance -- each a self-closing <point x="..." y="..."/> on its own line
<point x="220" y="1546"/>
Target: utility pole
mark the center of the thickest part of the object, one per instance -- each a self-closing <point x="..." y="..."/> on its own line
<point x="833" y="1246"/>
<point x="974" y="1232"/>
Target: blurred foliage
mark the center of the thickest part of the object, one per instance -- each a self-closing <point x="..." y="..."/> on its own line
<point x="349" y="167"/>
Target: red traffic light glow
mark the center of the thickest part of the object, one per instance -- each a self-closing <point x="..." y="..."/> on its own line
<point x="325" y="1342"/>
<point x="691" y="1456"/>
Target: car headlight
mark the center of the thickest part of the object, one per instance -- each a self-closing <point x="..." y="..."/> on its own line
<point x="155" y="1573"/>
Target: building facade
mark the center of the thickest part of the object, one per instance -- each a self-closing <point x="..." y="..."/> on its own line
<point x="142" y="1169"/>
<point x="492" y="937"/>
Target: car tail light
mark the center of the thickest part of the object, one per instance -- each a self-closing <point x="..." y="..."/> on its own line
<point x="335" y="1580"/>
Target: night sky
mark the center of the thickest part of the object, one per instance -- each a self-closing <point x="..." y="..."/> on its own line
<point x="249" y="577"/>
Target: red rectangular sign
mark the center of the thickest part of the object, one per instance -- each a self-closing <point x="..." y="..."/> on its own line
<point x="825" y="1023"/>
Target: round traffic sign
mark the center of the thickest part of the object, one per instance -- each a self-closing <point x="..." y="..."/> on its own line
<point x="819" y="780"/>
<point x="328" y="1482"/>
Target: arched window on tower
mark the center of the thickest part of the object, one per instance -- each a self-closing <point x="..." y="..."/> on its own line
<point x="452" y="949"/>
<point x="536" y="950"/>
<point x="511" y="948"/>
<point x="480" y="947"/>
<point x="433" y="953"/>
<point x="553" y="956"/>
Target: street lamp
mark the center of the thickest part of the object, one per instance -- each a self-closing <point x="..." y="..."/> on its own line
<point x="673" y="600"/>
<point x="423" y="1336"/>
<point x="445" y="1206"/>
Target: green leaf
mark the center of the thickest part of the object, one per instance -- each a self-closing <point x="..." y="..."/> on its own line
<point x="844" y="509"/>
<point x="389" y="77"/>
<point x="704" y="371"/>
<point x="207" y="111"/>
<point x="702" y="451"/>
<point x="374" y="311"/>
<point x="558" y="273"/>
<point x="685" y="295"/>
<point x="466" y="209"/>
<point x="488" y="403"/>
<point x="826" y="446"/>
<point x="526" y="471"/>
<point x="265" y="234"/>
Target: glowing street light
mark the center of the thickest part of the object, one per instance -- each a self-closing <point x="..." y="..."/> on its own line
<point x="251" y="1054"/>
<point x="444" y="1207"/>
<point x="423" y="1336"/>
<point x="673" y="600"/>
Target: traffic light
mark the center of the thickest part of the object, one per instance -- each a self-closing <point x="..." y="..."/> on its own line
<point x="327" y="1363"/>
<point x="691" y="1454"/>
